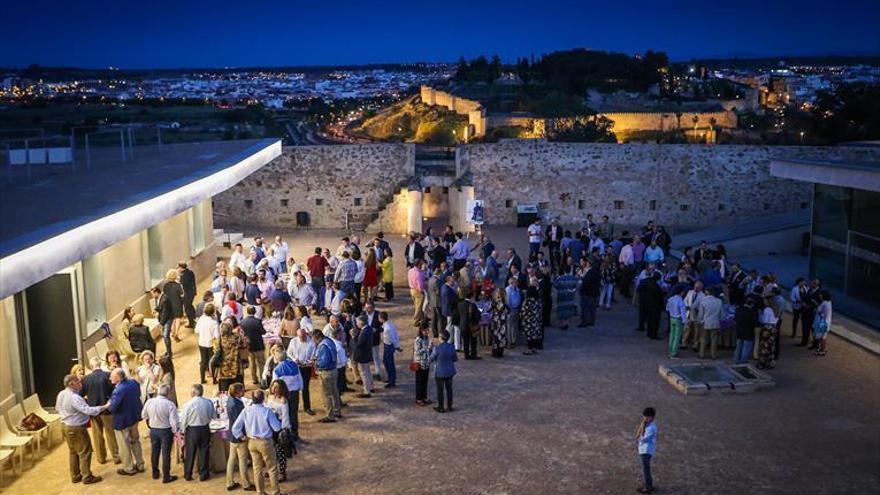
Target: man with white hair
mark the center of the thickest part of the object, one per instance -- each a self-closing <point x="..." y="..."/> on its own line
<point x="302" y="351"/>
<point x="75" y="414"/>
<point x="161" y="417"/>
<point x="125" y="405"/>
<point x="195" y="423"/>
<point x="281" y="251"/>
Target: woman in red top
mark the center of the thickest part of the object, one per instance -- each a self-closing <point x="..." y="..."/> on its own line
<point x="371" y="276"/>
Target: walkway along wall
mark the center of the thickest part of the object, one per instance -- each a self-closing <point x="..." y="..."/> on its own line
<point x="682" y="186"/>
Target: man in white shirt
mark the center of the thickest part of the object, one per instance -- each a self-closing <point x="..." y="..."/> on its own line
<point x="281" y="251"/>
<point x="692" y="324"/>
<point x="75" y="414"/>
<point x="390" y="344"/>
<point x="302" y="351"/>
<point x="627" y="266"/>
<point x="195" y="422"/>
<point x="535" y="236"/>
<point x="208" y="329"/>
<point x="161" y="417"/>
<point x="238" y="259"/>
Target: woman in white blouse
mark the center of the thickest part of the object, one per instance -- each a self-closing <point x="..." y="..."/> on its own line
<point x="149" y="375"/>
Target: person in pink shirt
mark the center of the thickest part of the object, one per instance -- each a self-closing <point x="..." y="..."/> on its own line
<point x="416" y="278"/>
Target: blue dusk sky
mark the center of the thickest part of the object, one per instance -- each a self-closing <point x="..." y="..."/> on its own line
<point x="195" y="33"/>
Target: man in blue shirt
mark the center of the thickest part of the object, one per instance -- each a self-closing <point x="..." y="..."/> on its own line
<point x="125" y="406"/>
<point x="514" y="303"/>
<point x="460" y="251"/>
<point x="654" y="254"/>
<point x="325" y="363"/>
<point x="258" y="423"/>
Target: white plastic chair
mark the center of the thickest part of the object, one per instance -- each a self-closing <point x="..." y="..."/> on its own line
<point x="10" y="440"/>
<point x="15" y="414"/>
<point x="5" y="455"/>
<point x="32" y="405"/>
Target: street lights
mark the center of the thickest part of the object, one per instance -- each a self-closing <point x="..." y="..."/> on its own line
<point x="802" y="137"/>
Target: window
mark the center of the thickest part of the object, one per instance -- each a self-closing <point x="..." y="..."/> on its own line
<point x="805" y="205"/>
<point x="652" y="205"/>
<point x="445" y="190"/>
<point x="508" y="203"/>
<point x="93" y="289"/>
<point x="285" y="202"/>
<point x="195" y="220"/>
<point x="248" y="203"/>
<point x="319" y="202"/>
<point x="581" y="204"/>
<point x="544" y="205"/>
<point x="618" y="204"/>
<point x="427" y="190"/>
<point x="358" y="201"/>
<point x="766" y="206"/>
<point x="720" y="206"/>
<point x="153" y="256"/>
<point x="684" y="207"/>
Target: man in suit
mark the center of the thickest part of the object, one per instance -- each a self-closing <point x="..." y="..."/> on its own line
<point x="448" y="298"/>
<point x="362" y="340"/>
<point x="414" y="251"/>
<point x="97" y="389"/>
<point x="445" y="357"/>
<point x="522" y="280"/>
<point x="125" y="406"/>
<point x="468" y="320"/>
<point x="589" y="292"/>
<point x="373" y="322"/>
<point x="253" y="330"/>
<point x="513" y="259"/>
<point x="553" y="237"/>
<point x="188" y="281"/>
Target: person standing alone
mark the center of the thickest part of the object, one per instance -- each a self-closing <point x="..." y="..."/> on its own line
<point x="647" y="437"/>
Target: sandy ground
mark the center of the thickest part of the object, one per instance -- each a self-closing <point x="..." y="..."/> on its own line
<point x="564" y="422"/>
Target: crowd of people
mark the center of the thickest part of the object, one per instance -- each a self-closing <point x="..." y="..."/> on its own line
<point x="281" y="323"/>
<point x="323" y="325"/>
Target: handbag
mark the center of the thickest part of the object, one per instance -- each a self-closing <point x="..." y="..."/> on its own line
<point x="414" y="366"/>
<point x="32" y="422"/>
<point x="216" y="359"/>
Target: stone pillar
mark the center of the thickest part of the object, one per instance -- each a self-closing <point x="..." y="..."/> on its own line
<point x="456" y="212"/>
<point x="414" y="210"/>
<point x="466" y="194"/>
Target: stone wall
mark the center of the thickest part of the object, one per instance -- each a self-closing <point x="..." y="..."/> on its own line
<point x="327" y="182"/>
<point x="659" y="121"/>
<point x="473" y="109"/>
<point x="682" y="186"/>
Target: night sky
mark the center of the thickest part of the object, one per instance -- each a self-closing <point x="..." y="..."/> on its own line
<point x="188" y="33"/>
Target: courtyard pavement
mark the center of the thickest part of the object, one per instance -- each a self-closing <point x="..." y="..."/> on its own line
<point x="564" y="421"/>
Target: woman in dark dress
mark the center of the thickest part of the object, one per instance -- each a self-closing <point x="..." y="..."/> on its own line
<point x="532" y="322"/>
<point x="498" y="326"/>
<point x="171" y="308"/>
